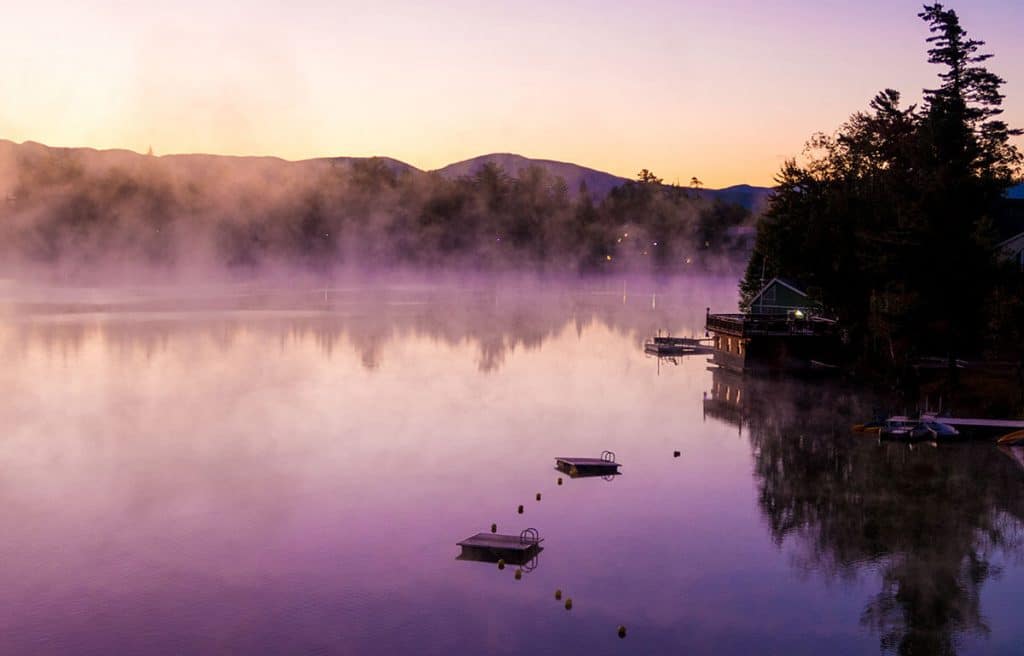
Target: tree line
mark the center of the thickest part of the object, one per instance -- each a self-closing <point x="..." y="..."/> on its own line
<point x="891" y="222"/>
<point x="66" y="210"/>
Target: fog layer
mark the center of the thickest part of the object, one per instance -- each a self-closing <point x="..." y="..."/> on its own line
<point x="79" y="213"/>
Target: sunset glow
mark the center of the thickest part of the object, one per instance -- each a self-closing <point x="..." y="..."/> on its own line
<point x="722" y="91"/>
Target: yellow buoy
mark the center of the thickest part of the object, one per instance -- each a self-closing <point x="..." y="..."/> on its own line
<point x="568" y="604"/>
<point x="622" y="631"/>
<point x="519" y="574"/>
<point x="558" y="595"/>
<point x="501" y="563"/>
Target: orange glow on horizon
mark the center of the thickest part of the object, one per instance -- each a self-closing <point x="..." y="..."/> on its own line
<point x="723" y="93"/>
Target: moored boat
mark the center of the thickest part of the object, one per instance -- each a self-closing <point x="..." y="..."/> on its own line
<point x="904" y="429"/>
<point x="1015" y="438"/>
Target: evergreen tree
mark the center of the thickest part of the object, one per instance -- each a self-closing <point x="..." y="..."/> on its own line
<point x="886" y="221"/>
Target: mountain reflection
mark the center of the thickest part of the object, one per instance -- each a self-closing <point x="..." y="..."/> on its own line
<point x="931" y="522"/>
<point x="493" y="319"/>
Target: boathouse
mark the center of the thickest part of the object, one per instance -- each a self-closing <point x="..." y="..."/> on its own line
<point x="780" y="296"/>
<point x="783" y="329"/>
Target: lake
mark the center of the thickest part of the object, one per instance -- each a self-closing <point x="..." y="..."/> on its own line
<point x="266" y="470"/>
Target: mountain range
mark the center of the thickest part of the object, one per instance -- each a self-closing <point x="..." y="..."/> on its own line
<point x="598" y="183"/>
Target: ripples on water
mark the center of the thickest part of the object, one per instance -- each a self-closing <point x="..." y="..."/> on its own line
<point x="279" y="472"/>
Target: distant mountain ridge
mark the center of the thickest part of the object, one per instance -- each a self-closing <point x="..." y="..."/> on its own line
<point x="598" y="183"/>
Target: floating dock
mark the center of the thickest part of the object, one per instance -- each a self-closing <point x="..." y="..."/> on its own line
<point x="492" y="547"/>
<point x="581" y="467"/>
<point x="677" y="346"/>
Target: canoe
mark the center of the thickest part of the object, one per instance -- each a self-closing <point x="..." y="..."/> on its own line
<point x="1015" y="438"/>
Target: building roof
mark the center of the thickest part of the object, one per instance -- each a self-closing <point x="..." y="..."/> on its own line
<point x="782" y="281"/>
<point x="1009" y="220"/>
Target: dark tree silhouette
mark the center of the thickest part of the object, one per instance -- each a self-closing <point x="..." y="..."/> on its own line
<point x="889" y="220"/>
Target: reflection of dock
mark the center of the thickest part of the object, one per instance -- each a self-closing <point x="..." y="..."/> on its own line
<point x="584" y="467"/>
<point x="1014" y="453"/>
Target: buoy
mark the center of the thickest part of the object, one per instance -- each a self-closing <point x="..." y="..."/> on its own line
<point x="568" y="604"/>
<point x="559" y="480"/>
<point x="622" y="631"/>
<point x="501" y="563"/>
<point x="558" y="595"/>
<point x="675" y="454"/>
<point x="519" y="574"/>
<point x="494" y="528"/>
<point x="538" y="496"/>
<point x="520" y="509"/>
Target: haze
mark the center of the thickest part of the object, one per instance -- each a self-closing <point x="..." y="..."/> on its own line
<point x="722" y="91"/>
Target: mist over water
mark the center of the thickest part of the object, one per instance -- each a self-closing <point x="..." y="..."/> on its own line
<point x="103" y="217"/>
<point x="272" y="469"/>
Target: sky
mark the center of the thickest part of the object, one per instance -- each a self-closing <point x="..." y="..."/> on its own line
<point x="723" y="90"/>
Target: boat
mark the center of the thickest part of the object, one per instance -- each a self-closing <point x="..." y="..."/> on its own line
<point x="904" y="429"/>
<point x="873" y="427"/>
<point x="1015" y="438"/>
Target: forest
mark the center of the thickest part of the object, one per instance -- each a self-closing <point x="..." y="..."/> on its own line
<point x="893" y="221"/>
<point x="90" y="214"/>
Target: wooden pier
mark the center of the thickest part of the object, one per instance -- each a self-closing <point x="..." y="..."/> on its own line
<point x="1008" y="425"/>
<point x="582" y="467"/>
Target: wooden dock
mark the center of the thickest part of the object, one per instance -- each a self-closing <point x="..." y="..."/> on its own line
<point x="677" y="346"/>
<point x="1008" y="425"/>
<point x="581" y="467"/>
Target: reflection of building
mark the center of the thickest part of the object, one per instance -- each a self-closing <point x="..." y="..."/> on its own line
<point x="726" y="398"/>
<point x="782" y="331"/>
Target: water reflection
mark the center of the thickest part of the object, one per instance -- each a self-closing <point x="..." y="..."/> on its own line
<point x="496" y="319"/>
<point x="931" y="523"/>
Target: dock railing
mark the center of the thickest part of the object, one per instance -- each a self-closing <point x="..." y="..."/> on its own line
<point x="749" y="325"/>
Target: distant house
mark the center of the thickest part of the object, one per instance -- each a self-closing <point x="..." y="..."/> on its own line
<point x="1013" y="250"/>
<point x="780" y="296"/>
<point x="1010" y="231"/>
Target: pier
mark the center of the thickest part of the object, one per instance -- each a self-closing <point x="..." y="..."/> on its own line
<point x="669" y="346"/>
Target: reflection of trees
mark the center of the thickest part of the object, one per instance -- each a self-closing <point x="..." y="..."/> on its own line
<point x="495" y="319"/>
<point x="929" y="521"/>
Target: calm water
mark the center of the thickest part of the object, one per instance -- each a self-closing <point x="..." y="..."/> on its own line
<point x="286" y="473"/>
